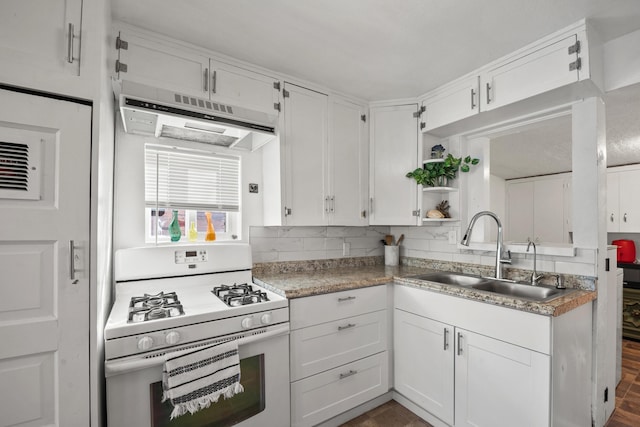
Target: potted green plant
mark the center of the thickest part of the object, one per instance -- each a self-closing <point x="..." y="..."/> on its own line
<point x="438" y="174"/>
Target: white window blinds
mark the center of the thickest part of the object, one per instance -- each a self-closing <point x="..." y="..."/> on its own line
<point x="182" y="179"/>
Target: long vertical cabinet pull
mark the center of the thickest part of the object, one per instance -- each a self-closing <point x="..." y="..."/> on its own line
<point x="488" y="93"/>
<point x="473" y="99"/>
<point x="213" y="81"/>
<point x="70" y="45"/>
<point x="206" y="80"/>
<point x="459" y="344"/>
<point x="446" y="339"/>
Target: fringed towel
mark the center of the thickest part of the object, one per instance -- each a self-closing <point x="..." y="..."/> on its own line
<point x="195" y="379"/>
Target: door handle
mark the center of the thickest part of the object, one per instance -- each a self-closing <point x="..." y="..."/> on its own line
<point x="206" y="80"/>
<point x="70" y="44"/>
<point x="446" y="339"/>
<point x="473" y="99"/>
<point x="348" y="374"/>
<point x="459" y="344"/>
<point x="213" y="81"/>
<point x="624" y="218"/>
<point x="488" y="93"/>
<point x="350" y="325"/>
<point x="346" y="298"/>
<point x="72" y="262"/>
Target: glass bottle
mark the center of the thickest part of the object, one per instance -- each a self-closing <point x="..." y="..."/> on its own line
<point x="211" y="232"/>
<point x="193" y="233"/>
<point x="174" y="227"/>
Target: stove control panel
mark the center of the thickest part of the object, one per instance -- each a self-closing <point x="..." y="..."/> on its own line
<point x="191" y="256"/>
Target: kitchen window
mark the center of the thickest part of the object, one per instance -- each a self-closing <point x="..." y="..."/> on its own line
<point x="192" y="182"/>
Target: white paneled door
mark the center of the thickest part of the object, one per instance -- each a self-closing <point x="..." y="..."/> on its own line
<point x="45" y="157"/>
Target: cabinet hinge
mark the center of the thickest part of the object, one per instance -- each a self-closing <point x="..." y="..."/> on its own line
<point x="276" y="106"/>
<point x="423" y="125"/>
<point x="276" y="85"/>
<point x="121" y="44"/>
<point x="575" y="65"/>
<point x="574" y="48"/>
<point x="285" y="93"/>
<point x="419" y="112"/>
<point x="416" y="213"/>
<point x="363" y="118"/>
<point x="120" y="67"/>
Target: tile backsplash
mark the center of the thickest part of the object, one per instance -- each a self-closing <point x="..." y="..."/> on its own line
<point x="270" y="244"/>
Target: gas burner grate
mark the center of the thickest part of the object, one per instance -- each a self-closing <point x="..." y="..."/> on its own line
<point x="236" y="295"/>
<point x="151" y="307"/>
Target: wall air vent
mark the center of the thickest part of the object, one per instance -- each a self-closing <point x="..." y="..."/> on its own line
<point x="20" y="170"/>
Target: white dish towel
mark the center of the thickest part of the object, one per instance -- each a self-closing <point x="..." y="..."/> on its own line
<point x="194" y="379"/>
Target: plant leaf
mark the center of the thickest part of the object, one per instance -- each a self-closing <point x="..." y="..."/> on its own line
<point x="475" y="161"/>
<point x="464" y="168"/>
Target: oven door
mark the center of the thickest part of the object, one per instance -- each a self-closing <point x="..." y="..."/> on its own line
<point x="134" y="389"/>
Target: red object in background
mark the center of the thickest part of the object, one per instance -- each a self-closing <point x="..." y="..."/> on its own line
<point x="626" y="250"/>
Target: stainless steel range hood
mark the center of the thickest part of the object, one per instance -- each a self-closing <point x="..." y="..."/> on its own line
<point x="162" y="113"/>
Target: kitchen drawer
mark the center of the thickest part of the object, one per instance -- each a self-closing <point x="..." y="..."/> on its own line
<point x="318" y="309"/>
<point x="325" y="346"/>
<point x="320" y="397"/>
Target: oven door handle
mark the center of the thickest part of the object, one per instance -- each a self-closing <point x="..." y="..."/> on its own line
<point x="136" y="363"/>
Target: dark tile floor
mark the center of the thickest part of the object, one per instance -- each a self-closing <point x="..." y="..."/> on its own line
<point x="627" y="413"/>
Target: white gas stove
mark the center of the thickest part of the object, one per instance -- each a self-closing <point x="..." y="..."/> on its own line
<point x="172" y="298"/>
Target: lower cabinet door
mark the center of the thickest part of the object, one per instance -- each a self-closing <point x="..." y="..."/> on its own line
<point x="499" y="384"/>
<point x="423" y="363"/>
<point x="325" y="395"/>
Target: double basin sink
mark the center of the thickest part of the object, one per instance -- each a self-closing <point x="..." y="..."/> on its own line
<point x="538" y="293"/>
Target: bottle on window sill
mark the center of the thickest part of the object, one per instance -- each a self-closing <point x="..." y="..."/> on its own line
<point x="193" y="233"/>
<point x="211" y="232"/>
<point x="174" y="227"/>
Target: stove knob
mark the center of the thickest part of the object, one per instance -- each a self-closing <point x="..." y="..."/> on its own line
<point x="145" y="343"/>
<point x="247" y="322"/>
<point x="266" y="318"/>
<point x="172" y="338"/>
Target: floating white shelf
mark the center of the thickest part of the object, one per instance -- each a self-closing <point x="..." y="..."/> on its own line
<point x="424" y="162"/>
<point x="439" y="219"/>
<point x="439" y="189"/>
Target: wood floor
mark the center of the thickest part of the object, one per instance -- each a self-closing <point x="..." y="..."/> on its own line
<point x="627" y="413"/>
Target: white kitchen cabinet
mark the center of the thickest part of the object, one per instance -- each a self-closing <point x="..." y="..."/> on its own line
<point x="453" y="102"/>
<point x="468" y="363"/>
<point x="423" y="362"/>
<point x="538" y="209"/>
<point x="348" y="163"/>
<point x="156" y="61"/>
<point x="623" y="205"/>
<point x="305" y="139"/>
<point x="339" y="352"/>
<point x="394" y="151"/>
<point x="500" y="384"/>
<point x="546" y="68"/>
<point x="40" y="39"/>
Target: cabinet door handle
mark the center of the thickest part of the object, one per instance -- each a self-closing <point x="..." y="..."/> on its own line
<point x="624" y="218"/>
<point x="611" y="218"/>
<point x="213" y="81"/>
<point x="346" y="298"/>
<point x="348" y="374"/>
<point x="473" y="99"/>
<point x="72" y="262"/>
<point x="70" y="44"/>
<point x="459" y="343"/>
<point x="326" y="204"/>
<point x="206" y="80"/>
<point x="446" y="339"/>
<point x="332" y="199"/>
<point x="370" y="206"/>
<point x="350" y="325"/>
<point x="488" y="93"/>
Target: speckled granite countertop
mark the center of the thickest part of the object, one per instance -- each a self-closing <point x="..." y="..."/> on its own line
<point x="297" y="284"/>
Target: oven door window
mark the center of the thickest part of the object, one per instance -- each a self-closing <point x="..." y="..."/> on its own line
<point x="225" y="412"/>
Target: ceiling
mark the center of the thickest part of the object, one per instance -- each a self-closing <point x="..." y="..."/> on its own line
<point x="549" y="142"/>
<point x="372" y="49"/>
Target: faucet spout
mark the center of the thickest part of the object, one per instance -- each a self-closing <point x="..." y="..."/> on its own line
<point x="534" y="276"/>
<point x="499" y="244"/>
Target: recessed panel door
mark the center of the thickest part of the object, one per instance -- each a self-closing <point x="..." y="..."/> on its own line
<point x="45" y="147"/>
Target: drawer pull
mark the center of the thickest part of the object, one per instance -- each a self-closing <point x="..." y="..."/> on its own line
<point x="348" y="374"/>
<point x="350" y="325"/>
<point x="459" y="344"/>
<point x="346" y="299"/>
<point x="446" y="339"/>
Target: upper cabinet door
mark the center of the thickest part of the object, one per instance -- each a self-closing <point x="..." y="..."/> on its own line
<point x="157" y="64"/>
<point x="629" y="203"/>
<point x="40" y="37"/>
<point x="535" y="73"/>
<point x="452" y="103"/>
<point x="236" y="86"/>
<point x="305" y="142"/>
<point x="393" y="153"/>
<point x="348" y="163"/>
<point x="613" y="202"/>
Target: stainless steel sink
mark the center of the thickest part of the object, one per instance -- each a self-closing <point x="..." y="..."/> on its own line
<point x="457" y="279"/>
<point x="519" y="290"/>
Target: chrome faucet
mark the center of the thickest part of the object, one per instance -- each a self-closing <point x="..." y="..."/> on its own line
<point x="534" y="276"/>
<point x="499" y="255"/>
